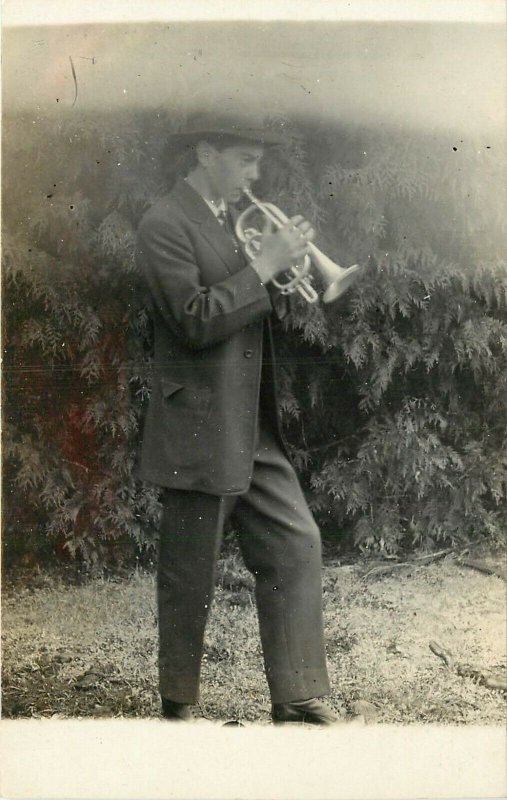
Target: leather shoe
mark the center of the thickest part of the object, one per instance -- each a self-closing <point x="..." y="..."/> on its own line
<point x="180" y="712"/>
<point x="313" y="712"/>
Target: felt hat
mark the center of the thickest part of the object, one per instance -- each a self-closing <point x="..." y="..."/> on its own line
<point x="243" y="128"/>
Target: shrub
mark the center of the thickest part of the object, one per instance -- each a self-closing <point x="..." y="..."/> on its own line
<point x="393" y="399"/>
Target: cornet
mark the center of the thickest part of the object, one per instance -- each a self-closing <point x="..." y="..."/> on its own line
<point x="336" y="279"/>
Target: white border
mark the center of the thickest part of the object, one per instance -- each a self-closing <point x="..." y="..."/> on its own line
<point x="163" y="761"/>
<point x="126" y="759"/>
<point x="63" y="12"/>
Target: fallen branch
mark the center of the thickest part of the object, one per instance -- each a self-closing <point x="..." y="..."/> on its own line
<point x="417" y="561"/>
<point x="382" y="569"/>
<point x="442" y="653"/>
<point x="433" y="556"/>
<point x="481" y="674"/>
<point x="480" y="566"/>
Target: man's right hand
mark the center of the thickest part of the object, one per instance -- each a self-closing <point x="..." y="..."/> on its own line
<point x="282" y="248"/>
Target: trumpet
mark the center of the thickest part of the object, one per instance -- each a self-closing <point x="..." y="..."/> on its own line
<point x="336" y="279"/>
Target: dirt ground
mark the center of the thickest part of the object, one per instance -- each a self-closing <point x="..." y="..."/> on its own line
<point x="89" y="650"/>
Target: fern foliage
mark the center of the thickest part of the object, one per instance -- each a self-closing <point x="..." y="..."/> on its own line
<point x="393" y="398"/>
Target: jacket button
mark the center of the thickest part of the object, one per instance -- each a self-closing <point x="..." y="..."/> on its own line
<point x="248" y="353"/>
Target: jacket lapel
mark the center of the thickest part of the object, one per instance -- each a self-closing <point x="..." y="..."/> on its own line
<point x="199" y="212"/>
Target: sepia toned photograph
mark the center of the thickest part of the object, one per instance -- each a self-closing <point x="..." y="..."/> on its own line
<point x="254" y="419"/>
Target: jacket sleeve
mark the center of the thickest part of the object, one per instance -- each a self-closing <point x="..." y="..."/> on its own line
<point x="201" y="315"/>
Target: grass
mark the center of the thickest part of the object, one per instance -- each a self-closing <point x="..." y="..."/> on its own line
<point x="90" y="650"/>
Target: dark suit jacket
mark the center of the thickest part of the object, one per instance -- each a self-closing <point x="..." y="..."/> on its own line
<point x="208" y="309"/>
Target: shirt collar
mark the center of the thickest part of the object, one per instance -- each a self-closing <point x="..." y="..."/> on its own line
<point x="217" y="208"/>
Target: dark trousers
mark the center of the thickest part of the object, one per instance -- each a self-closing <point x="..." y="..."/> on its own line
<point x="280" y="544"/>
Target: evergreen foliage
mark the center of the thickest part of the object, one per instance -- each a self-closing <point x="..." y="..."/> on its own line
<point x="393" y="399"/>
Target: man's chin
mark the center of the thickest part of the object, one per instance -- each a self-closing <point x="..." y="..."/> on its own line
<point x="235" y="196"/>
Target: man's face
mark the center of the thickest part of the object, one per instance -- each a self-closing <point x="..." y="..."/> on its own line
<point x="230" y="170"/>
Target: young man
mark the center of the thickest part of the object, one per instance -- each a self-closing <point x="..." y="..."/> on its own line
<point x="211" y="435"/>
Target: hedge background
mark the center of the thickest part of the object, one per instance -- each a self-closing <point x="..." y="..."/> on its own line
<point x="393" y="399"/>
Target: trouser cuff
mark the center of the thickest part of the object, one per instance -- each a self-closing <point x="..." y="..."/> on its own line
<point x="287" y="688"/>
<point x="179" y="688"/>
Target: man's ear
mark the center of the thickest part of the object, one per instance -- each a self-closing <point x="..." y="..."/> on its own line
<point x="204" y="152"/>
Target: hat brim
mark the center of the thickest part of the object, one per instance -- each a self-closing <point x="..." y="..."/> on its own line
<point x="251" y="135"/>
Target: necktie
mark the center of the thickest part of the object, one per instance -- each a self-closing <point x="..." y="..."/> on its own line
<point x="224" y="220"/>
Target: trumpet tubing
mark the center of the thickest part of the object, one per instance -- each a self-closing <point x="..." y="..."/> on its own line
<point x="335" y="278"/>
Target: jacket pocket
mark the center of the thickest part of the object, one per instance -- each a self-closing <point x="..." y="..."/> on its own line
<point x="180" y="398"/>
<point x="169" y="388"/>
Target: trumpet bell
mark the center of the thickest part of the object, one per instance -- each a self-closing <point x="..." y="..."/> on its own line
<point x="341" y="284"/>
<point x="336" y="279"/>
